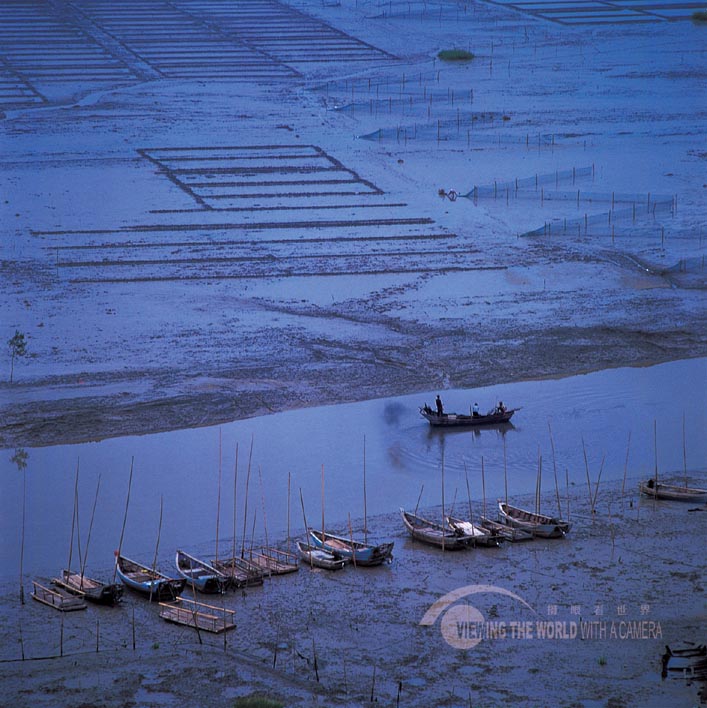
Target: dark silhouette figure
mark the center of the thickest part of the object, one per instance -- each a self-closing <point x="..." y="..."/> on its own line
<point x="440" y="410"/>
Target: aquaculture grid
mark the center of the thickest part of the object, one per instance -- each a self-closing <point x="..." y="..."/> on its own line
<point x="602" y="12"/>
<point x="15" y="92"/>
<point x="293" y="211"/>
<point x="233" y="177"/>
<point x="37" y="45"/>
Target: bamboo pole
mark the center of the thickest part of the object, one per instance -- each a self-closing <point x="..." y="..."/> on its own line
<point x="365" y="506"/>
<point x="306" y="528"/>
<point x="262" y="502"/>
<point x="125" y="516"/>
<point x="554" y="469"/>
<point x="468" y="494"/>
<point x="73" y="515"/>
<point x="245" y="511"/>
<point x="483" y="486"/>
<point x="289" y="482"/>
<point x="218" y="495"/>
<point x="623" y="483"/>
<point x="235" y="507"/>
<point x="443" y="548"/>
<point x="353" y="548"/>
<point x="22" y="544"/>
<point x="323" y="533"/>
<point x="684" y="450"/>
<point x="596" y="488"/>
<point x="419" y="498"/>
<point x="157" y="546"/>
<point x="90" y="528"/>
<point x="505" y="472"/>
<point x="589" y="484"/>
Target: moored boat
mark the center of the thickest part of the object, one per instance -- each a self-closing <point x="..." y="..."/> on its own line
<point x="478" y="535"/>
<point x="273" y="561"/>
<point x="508" y="533"/>
<point x="319" y="558"/>
<point x="536" y="524"/>
<point x="200" y="574"/>
<point x="148" y="582"/>
<point x="672" y="492"/>
<point x="240" y="572"/>
<point x="92" y="590"/>
<point x="359" y="552"/>
<point x="433" y="533"/>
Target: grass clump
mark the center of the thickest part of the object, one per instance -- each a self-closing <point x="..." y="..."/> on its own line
<point x="455" y="55"/>
<point x="700" y="16"/>
<point x="254" y="701"/>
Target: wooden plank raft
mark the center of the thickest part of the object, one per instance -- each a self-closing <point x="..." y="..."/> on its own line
<point x="198" y="614"/>
<point x="58" y="599"/>
<point x="273" y="561"/>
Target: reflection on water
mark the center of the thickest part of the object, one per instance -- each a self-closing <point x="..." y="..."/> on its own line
<point x="598" y="411"/>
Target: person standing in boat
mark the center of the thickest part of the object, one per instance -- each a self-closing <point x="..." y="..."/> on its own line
<point x="501" y="407"/>
<point x="440" y="409"/>
<point x="475" y="410"/>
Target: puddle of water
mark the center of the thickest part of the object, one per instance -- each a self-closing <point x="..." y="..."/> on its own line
<point x="403" y="453"/>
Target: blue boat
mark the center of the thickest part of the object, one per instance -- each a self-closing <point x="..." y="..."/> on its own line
<point x="148" y="582"/>
<point x="358" y="552"/>
<point x="201" y="575"/>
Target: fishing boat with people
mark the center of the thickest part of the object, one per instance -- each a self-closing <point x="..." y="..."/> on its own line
<point x="672" y="492"/>
<point x="533" y="522"/>
<point x="358" y="552"/>
<point x="438" y="418"/>
<point x="433" y="533"/>
<point x="148" y="581"/>
<point x="319" y="558"/>
<point x="200" y="574"/>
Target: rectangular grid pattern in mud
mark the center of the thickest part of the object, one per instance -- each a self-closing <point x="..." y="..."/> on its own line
<point x="180" y="45"/>
<point x="316" y="249"/>
<point x="15" y="92"/>
<point x="283" y="32"/>
<point x="241" y="177"/>
<point x="41" y="46"/>
<point x="600" y="12"/>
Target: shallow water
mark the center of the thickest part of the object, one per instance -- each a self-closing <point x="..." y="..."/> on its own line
<point x="404" y="459"/>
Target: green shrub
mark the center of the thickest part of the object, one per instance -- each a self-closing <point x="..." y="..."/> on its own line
<point x="699" y="16"/>
<point x="254" y="701"/>
<point x="455" y="55"/>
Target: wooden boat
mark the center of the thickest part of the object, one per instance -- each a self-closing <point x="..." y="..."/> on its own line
<point x="240" y="572"/>
<point x="478" y="535"/>
<point x="90" y="589"/>
<point x="273" y="561"/>
<point x="58" y="599"/>
<point x="536" y="524"/>
<point x="433" y="533"/>
<point x="359" y="552"/>
<point x="672" y="492"/>
<point x="508" y="533"/>
<point x="319" y="558"/>
<point x="197" y="614"/>
<point x="494" y="416"/>
<point x="200" y="574"/>
<point x="150" y="583"/>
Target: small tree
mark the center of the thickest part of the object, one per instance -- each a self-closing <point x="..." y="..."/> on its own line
<point x="18" y="347"/>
